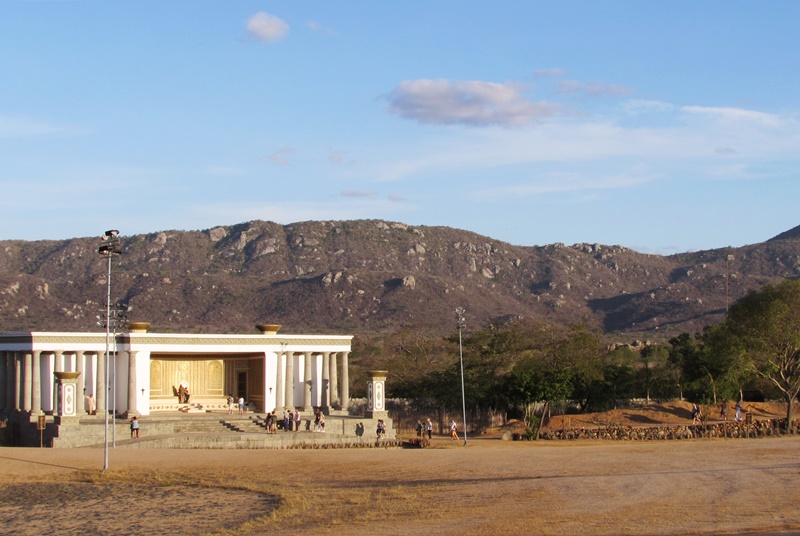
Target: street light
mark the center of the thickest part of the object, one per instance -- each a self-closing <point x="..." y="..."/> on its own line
<point x="119" y="319"/>
<point x="461" y="324"/>
<point x="109" y="246"/>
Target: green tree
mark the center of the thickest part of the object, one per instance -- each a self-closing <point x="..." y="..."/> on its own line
<point x="706" y="360"/>
<point x="765" y="326"/>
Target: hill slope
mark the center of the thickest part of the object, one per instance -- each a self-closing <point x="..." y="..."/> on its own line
<point x="369" y="276"/>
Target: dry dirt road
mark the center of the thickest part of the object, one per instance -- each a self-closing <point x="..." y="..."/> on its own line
<point x="487" y="487"/>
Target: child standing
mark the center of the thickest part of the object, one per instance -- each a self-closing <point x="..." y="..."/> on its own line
<point x="134" y="428"/>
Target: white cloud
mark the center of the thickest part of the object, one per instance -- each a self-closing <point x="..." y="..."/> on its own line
<point x="608" y="152"/>
<point x="279" y="157"/>
<point x="465" y="102"/>
<point x="543" y="73"/>
<point x="568" y="182"/>
<point x="267" y="28"/>
<point x="25" y="127"/>
<point x="316" y="27"/>
<point x="357" y="193"/>
<point x="565" y="87"/>
<point x="736" y="114"/>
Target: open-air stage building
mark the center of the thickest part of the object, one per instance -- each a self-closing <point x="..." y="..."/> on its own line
<point x="59" y="373"/>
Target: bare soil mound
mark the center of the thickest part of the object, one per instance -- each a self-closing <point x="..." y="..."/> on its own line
<point x="673" y="412"/>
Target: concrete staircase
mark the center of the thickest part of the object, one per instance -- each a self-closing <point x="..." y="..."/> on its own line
<point x="218" y="430"/>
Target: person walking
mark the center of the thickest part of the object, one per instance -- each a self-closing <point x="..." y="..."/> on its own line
<point x="453" y="430"/>
<point x="230" y="404"/>
<point x="241" y="405"/>
<point x="296" y="420"/>
<point x="429" y="429"/>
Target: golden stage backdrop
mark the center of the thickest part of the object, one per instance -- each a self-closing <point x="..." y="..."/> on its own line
<point x="204" y="377"/>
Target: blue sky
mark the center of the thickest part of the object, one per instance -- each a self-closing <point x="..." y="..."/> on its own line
<point x="660" y="126"/>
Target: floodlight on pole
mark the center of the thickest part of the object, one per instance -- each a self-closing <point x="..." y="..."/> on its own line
<point x="461" y="324"/>
<point x="109" y="246"/>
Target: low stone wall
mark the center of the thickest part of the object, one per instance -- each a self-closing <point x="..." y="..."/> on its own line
<point x="730" y="430"/>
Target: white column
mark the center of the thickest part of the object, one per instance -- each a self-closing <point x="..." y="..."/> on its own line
<point x="132" y="385"/>
<point x="80" y="366"/>
<point x="19" y="378"/>
<point x="3" y="380"/>
<point x="279" y="384"/>
<point x="36" y="383"/>
<point x="307" y="406"/>
<point x="27" y="389"/>
<point x="289" y="394"/>
<point x="334" y="383"/>
<point x="326" y="382"/>
<point x="100" y="382"/>
<point x="345" y="398"/>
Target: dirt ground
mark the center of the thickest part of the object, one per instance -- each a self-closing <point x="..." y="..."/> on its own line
<point x="488" y="486"/>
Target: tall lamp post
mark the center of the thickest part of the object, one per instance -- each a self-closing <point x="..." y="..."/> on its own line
<point x="461" y="324"/>
<point x="119" y="319"/>
<point x="109" y="246"/>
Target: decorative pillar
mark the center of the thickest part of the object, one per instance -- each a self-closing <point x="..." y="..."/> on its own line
<point x="132" y="409"/>
<point x="3" y="380"/>
<point x="289" y="394"/>
<point x="27" y="386"/>
<point x="58" y="361"/>
<point x="307" y="382"/>
<point x="345" y="398"/>
<point x="19" y="378"/>
<point x="334" y="383"/>
<point x="66" y="410"/>
<point x="100" y="383"/>
<point x="36" y="383"/>
<point x="376" y="401"/>
<point x="80" y="365"/>
<point x="279" y="385"/>
<point x="325" y="398"/>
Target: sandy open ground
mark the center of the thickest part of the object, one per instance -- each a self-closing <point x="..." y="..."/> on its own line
<point x="487" y="487"/>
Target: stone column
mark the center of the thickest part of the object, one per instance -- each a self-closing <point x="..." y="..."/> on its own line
<point x="132" y="409"/>
<point x="289" y="394"/>
<point x="100" y="383"/>
<point x="58" y="361"/>
<point x="279" y="385"/>
<point x="13" y="381"/>
<point x="334" y="382"/>
<point x="19" y="377"/>
<point x="307" y="381"/>
<point x="36" y="383"/>
<point x="376" y="402"/>
<point x="27" y="386"/>
<point x="80" y="366"/>
<point x="325" y="387"/>
<point x="3" y="380"/>
<point x="345" y="398"/>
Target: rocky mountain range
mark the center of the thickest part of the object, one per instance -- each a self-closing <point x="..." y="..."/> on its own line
<point x="370" y="277"/>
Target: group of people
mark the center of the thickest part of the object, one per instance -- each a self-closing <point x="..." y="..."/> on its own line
<point x="291" y="420"/>
<point x="183" y="394"/>
<point x="425" y="427"/>
<point x="697" y="413"/>
<point x="240" y="402"/>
